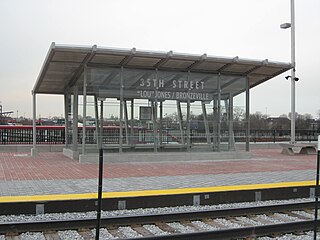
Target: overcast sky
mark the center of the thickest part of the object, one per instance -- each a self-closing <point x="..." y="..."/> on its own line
<point x="244" y="28"/>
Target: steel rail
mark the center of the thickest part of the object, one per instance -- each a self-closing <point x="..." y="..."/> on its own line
<point x="18" y="227"/>
<point x="234" y="233"/>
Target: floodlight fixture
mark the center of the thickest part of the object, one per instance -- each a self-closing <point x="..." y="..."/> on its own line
<point x="285" y="25"/>
<point x="295" y="78"/>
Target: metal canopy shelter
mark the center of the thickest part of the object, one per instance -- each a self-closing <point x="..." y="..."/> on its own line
<point x="157" y="76"/>
<point x="64" y="65"/>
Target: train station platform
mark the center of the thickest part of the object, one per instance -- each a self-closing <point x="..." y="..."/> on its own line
<point x="52" y="176"/>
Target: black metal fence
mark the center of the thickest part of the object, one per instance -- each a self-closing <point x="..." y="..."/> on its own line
<point x="56" y="135"/>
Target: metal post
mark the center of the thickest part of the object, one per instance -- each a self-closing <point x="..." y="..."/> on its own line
<point x="34" y="151"/>
<point x="188" y="117"/>
<point x="75" y="120"/>
<point x="121" y="110"/>
<point x="180" y="121"/>
<point x="132" y="121"/>
<point x="97" y="119"/>
<point x="231" y="134"/>
<point x="293" y="72"/>
<point x="219" y="114"/>
<point x="155" y="116"/>
<point x="126" y="120"/>
<point x="214" y="123"/>
<point x="161" y="123"/>
<point x="205" y="121"/>
<point x="226" y="118"/>
<point x="188" y="126"/>
<point x="155" y="127"/>
<point x="247" y="115"/>
<point x="84" y="109"/>
<point x="67" y="110"/>
<point x="317" y="191"/>
<point x="100" y="139"/>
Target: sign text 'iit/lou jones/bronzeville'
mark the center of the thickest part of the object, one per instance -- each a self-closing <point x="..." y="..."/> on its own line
<point x="174" y="90"/>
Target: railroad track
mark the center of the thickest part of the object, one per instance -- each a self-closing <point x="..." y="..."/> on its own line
<point x="234" y="223"/>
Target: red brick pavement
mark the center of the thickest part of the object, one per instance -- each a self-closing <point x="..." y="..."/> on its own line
<point x="49" y="166"/>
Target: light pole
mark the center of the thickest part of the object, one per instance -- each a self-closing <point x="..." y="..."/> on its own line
<point x="293" y="72"/>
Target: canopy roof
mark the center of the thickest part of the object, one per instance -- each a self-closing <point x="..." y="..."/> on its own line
<point x="64" y="65"/>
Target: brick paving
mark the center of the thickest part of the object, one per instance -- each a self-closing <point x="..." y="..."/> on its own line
<point x="53" y="173"/>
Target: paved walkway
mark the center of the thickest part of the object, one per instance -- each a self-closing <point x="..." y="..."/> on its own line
<point x="53" y="173"/>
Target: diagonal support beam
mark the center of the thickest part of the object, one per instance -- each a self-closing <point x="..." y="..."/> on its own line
<point x="263" y="63"/>
<point x="128" y="58"/>
<point x="80" y="69"/>
<point x="197" y="63"/>
<point x="164" y="60"/>
<point x="234" y="60"/>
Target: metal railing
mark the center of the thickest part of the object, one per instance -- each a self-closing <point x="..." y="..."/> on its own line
<point x="111" y="135"/>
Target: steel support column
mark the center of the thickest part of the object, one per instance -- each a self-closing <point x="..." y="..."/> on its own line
<point x="219" y="114"/>
<point x="67" y="112"/>
<point x="121" y="111"/>
<point x="132" y="121"/>
<point x="188" y="126"/>
<point x="231" y="133"/>
<point x="126" y="123"/>
<point x="34" y="150"/>
<point x="227" y="114"/>
<point x="96" y="112"/>
<point x="188" y="118"/>
<point x="215" y="124"/>
<point x="247" y="115"/>
<point x="205" y="121"/>
<point x="180" y="121"/>
<point x="75" y="119"/>
<point x="161" y="124"/>
<point x="84" y="110"/>
<point x="155" y="116"/>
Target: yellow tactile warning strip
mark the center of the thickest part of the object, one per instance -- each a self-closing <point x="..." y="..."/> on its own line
<point x="146" y="193"/>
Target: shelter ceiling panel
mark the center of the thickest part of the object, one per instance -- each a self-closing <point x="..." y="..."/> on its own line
<point x="60" y="70"/>
<point x="62" y="67"/>
<point x="104" y="78"/>
<point x="233" y="85"/>
<point x="76" y="57"/>
<point x="209" y="66"/>
<point x="51" y="86"/>
<point x="238" y="68"/>
<point x="267" y="70"/>
<point x="177" y="64"/>
<point x="107" y="59"/>
<point x="143" y="61"/>
<point x="56" y="76"/>
<point x="256" y="79"/>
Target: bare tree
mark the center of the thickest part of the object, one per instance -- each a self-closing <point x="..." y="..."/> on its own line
<point x="258" y="121"/>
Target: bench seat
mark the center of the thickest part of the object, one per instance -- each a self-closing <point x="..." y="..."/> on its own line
<point x="299" y="148"/>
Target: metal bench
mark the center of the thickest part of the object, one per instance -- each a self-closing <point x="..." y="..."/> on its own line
<point x="298" y="148"/>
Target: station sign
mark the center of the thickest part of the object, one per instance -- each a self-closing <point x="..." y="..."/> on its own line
<point x="139" y="84"/>
<point x="182" y="90"/>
